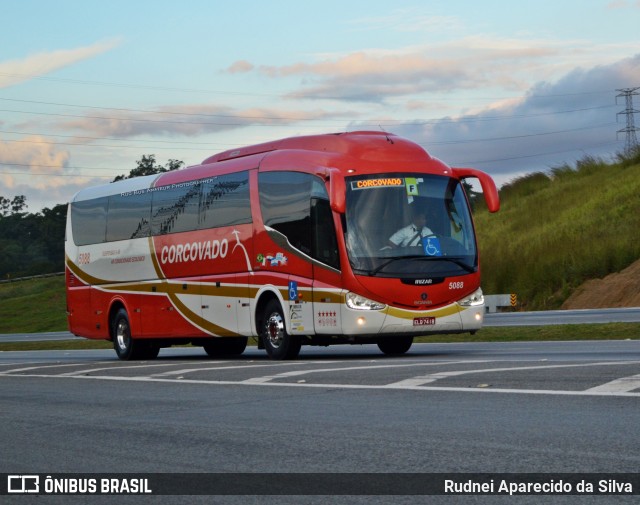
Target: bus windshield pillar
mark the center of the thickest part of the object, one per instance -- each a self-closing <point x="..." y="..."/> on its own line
<point x="337" y="192"/>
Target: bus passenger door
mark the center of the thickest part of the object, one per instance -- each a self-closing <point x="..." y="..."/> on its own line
<point x="218" y="300"/>
<point x="326" y="269"/>
<point x="243" y="308"/>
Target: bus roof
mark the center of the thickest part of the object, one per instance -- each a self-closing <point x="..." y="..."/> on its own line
<point x="358" y="144"/>
<point x="114" y="188"/>
<point x="335" y="150"/>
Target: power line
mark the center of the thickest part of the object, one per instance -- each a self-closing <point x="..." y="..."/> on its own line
<point x="167" y="112"/>
<point x="243" y="93"/>
<point x="541" y="154"/>
<point x="374" y="122"/>
<point x="630" y="130"/>
<point x="228" y="146"/>
<point x="132" y="86"/>
<point x="30" y="174"/>
<point x="477" y="162"/>
<point x="118" y="139"/>
<point x="512" y="137"/>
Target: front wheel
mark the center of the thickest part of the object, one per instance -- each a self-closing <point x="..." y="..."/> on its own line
<point x="278" y="343"/>
<point x="395" y="345"/>
<point x="126" y="347"/>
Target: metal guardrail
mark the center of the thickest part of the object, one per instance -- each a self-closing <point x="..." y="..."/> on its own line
<point x="492" y="302"/>
<point x="556" y="317"/>
<point x="41" y="276"/>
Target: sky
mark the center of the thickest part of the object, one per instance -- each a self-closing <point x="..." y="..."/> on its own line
<point x="87" y="88"/>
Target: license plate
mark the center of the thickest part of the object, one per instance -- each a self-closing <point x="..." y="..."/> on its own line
<point x="424" y="321"/>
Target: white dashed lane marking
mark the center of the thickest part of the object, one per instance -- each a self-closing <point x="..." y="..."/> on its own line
<point x="177" y="372"/>
<point x="622" y="385"/>
<point x="426" y="379"/>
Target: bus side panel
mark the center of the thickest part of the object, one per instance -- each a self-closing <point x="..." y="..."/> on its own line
<point x="289" y="271"/>
<point x="328" y="299"/>
<point x="79" y="312"/>
<point x="167" y="309"/>
<point x="294" y="294"/>
<point x="220" y="295"/>
<point x="103" y="302"/>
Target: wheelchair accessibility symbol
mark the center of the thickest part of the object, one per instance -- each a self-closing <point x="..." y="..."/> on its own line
<point x="293" y="290"/>
<point x="431" y="246"/>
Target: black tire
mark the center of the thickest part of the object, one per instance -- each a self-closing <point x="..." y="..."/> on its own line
<point x="126" y="347"/>
<point x="395" y="346"/>
<point x="277" y="341"/>
<point x="225" y="346"/>
<point x="152" y="351"/>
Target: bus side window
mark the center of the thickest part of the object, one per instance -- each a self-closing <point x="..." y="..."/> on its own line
<point x="225" y="201"/>
<point x="175" y="210"/>
<point x="325" y="245"/>
<point x="128" y="217"/>
<point x="285" y="203"/>
<point x="89" y="221"/>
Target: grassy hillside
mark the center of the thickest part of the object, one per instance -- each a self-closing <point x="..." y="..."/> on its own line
<point x="555" y="231"/>
<point x="33" y="305"/>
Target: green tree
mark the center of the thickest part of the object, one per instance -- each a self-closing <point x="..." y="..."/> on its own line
<point x="14" y="206"/>
<point x="148" y="166"/>
<point x="30" y="244"/>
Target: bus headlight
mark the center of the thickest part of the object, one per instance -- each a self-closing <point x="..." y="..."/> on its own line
<point x="473" y="300"/>
<point x="361" y="303"/>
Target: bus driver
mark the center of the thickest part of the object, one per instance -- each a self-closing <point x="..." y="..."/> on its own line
<point x="412" y="234"/>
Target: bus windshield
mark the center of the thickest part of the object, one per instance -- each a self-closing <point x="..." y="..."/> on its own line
<point x="409" y="224"/>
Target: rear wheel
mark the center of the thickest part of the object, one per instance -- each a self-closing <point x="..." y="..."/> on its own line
<point x="225" y="346"/>
<point x="126" y="347"/>
<point x="395" y="345"/>
<point x="278" y="343"/>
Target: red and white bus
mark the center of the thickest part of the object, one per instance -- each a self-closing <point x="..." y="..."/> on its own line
<point x="300" y="241"/>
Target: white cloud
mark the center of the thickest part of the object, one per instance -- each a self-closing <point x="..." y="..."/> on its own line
<point x="555" y="122"/>
<point x="192" y="120"/>
<point x="13" y="72"/>
<point x="623" y="4"/>
<point x="32" y="165"/>
<point x="468" y="63"/>
<point x="33" y="154"/>
<point x="240" y="67"/>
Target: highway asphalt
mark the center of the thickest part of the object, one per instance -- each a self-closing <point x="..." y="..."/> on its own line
<point x="552" y="407"/>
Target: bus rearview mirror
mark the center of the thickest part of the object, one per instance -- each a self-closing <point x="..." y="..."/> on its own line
<point x="488" y="186"/>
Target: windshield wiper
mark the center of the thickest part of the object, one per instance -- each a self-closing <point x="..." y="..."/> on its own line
<point x="469" y="268"/>
<point x="391" y="260"/>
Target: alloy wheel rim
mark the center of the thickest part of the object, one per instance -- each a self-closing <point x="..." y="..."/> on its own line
<point x="275" y="330"/>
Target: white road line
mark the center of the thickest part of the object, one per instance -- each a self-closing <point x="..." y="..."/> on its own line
<point x="427" y="379"/>
<point x="111" y="368"/>
<point x="26" y="369"/>
<point x="624" y="384"/>
<point x="619" y="387"/>
<point x="295" y="373"/>
<point x="343" y="386"/>
<point x="229" y="367"/>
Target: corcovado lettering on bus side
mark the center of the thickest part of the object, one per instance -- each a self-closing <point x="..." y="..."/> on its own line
<point x="194" y="251"/>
